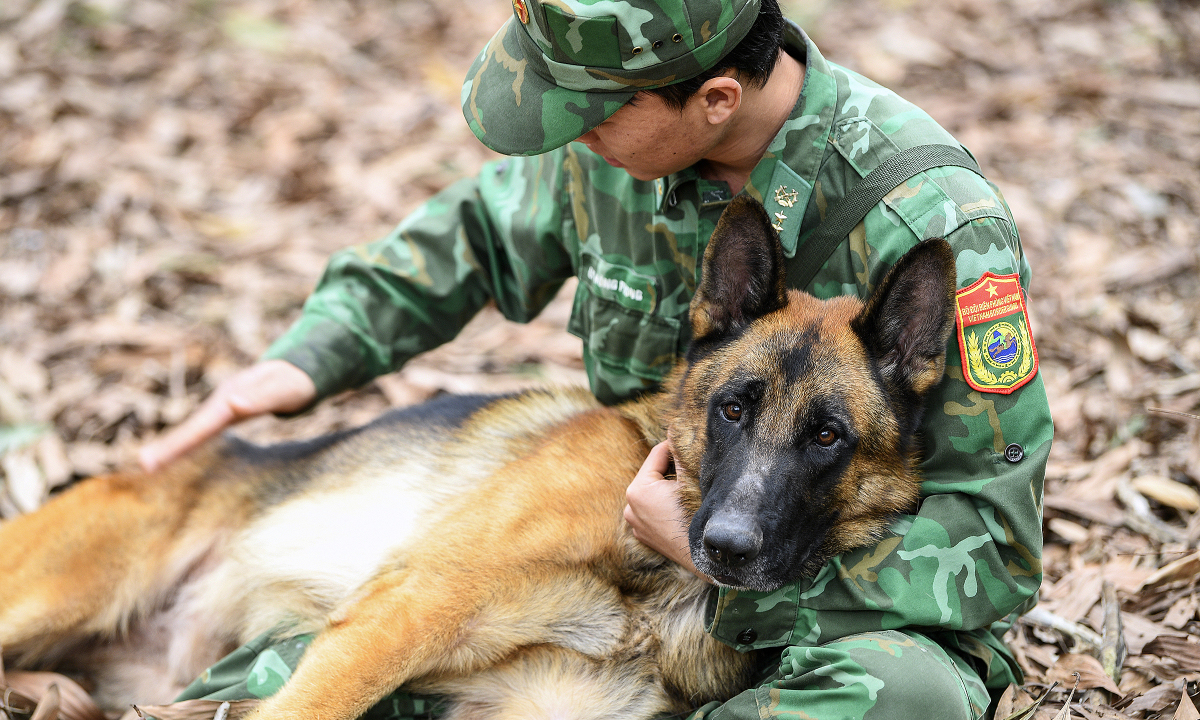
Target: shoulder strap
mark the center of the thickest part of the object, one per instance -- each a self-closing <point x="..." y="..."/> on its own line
<point x="866" y="194"/>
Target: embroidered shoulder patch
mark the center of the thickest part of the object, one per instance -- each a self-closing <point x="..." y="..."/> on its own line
<point x="997" y="348"/>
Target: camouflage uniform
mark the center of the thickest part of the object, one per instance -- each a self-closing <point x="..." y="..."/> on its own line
<point x="907" y="627"/>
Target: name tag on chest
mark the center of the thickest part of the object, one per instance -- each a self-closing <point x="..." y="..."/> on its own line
<point x="623" y="285"/>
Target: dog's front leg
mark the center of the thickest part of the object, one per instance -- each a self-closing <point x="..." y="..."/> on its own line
<point x="401" y="626"/>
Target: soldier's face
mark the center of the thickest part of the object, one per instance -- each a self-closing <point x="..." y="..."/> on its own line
<point x="650" y="139"/>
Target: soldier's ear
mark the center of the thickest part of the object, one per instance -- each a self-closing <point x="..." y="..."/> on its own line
<point x="743" y="277"/>
<point x="720" y="98"/>
<point x="909" y="319"/>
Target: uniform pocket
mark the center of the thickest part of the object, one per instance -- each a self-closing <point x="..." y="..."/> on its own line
<point x="625" y="351"/>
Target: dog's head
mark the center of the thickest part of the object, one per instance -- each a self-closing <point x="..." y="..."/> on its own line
<point x="793" y="419"/>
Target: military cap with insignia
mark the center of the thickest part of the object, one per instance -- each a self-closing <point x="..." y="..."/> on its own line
<point x="559" y="68"/>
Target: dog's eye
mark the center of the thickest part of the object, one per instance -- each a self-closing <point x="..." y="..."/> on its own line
<point x="826" y="437"/>
<point x="731" y="412"/>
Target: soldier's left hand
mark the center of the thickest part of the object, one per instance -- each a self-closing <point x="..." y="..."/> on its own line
<point x="653" y="510"/>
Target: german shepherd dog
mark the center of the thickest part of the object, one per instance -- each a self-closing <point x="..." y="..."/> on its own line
<point x="474" y="547"/>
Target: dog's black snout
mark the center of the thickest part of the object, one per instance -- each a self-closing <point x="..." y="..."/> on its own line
<point x="731" y="546"/>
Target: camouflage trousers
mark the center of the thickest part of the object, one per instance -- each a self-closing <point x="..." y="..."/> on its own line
<point x="888" y="675"/>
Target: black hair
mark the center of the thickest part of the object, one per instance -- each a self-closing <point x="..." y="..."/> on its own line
<point x="752" y="59"/>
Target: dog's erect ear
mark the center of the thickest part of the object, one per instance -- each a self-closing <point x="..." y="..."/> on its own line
<point x="744" y="277"/>
<point x="909" y="318"/>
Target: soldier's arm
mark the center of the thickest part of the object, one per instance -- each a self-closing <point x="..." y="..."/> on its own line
<point x="379" y="304"/>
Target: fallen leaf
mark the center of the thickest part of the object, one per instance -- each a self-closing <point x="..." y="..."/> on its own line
<point x="1082" y="668"/>
<point x="1182" y="650"/>
<point x="1168" y="492"/>
<point x="197" y="709"/>
<point x="1184" y="567"/>
<point x="1187" y="709"/>
<point x="73" y="701"/>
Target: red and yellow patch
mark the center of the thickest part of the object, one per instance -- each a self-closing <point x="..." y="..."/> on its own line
<point x="522" y="11"/>
<point x="997" y="348"/>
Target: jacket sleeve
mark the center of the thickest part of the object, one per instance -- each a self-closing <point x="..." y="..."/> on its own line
<point x="967" y="559"/>
<point x="496" y="237"/>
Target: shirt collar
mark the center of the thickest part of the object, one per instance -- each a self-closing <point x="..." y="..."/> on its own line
<point x="783" y="180"/>
<point x="665" y="187"/>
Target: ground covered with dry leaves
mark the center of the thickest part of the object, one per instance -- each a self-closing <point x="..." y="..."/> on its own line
<point x="173" y="174"/>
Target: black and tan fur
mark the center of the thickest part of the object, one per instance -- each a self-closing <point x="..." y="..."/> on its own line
<point x="475" y="546"/>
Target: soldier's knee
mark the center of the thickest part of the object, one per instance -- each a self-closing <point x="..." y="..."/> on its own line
<point x="887" y="675"/>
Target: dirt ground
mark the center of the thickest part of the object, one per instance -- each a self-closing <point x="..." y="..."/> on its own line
<point x="173" y="175"/>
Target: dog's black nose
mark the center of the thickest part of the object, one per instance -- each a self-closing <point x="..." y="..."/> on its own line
<point x="731" y="545"/>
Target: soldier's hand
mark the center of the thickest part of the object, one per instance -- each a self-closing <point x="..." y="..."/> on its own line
<point x="268" y="386"/>
<point x="653" y="511"/>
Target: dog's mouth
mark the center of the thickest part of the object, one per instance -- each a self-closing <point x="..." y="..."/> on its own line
<point x="751" y="576"/>
<point x="746" y="580"/>
<point x="779" y="565"/>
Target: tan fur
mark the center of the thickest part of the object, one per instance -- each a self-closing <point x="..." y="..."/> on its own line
<point x="519" y="572"/>
<point x="484" y="559"/>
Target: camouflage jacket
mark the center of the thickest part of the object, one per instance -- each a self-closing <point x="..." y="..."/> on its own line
<point x="957" y="569"/>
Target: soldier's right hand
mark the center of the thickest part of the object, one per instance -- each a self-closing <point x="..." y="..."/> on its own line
<point x="265" y="387"/>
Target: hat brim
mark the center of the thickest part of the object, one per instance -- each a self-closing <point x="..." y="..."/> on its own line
<point x="513" y="110"/>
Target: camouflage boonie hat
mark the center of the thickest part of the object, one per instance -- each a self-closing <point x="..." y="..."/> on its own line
<point x="559" y="68"/>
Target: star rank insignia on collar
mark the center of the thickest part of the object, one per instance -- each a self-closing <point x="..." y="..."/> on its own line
<point x="786" y="198"/>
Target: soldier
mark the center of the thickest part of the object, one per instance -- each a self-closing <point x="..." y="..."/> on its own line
<point x="674" y="108"/>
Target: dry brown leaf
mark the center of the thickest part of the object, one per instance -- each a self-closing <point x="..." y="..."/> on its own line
<point x="1184" y="567"/>
<point x="48" y="704"/>
<point x="197" y="709"/>
<point x="1168" y="492"/>
<point x="1077" y="593"/>
<point x="1149" y="346"/>
<point x="1101" y="484"/>
<point x="73" y="701"/>
<point x="1181" y="612"/>
<point x="1098" y="510"/>
<point x="1012" y="699"/>
<point x="1089" y="671"/>
<point x="1156" y="700"/>
<point x="1140" y="516"/>
<point x="1016" y="704"/>
<point x="1065" y="713"/>
<point x="1127" y="573"/>
<point x="1183" y="650"/>
<point x="1140" y="631"/>
<point x="1187" y="709"/>
<point x="1067" y="530"/>
<point x="1092" y="712"/>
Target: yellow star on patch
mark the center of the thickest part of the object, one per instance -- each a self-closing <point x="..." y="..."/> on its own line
<point x="998" y="354"/>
